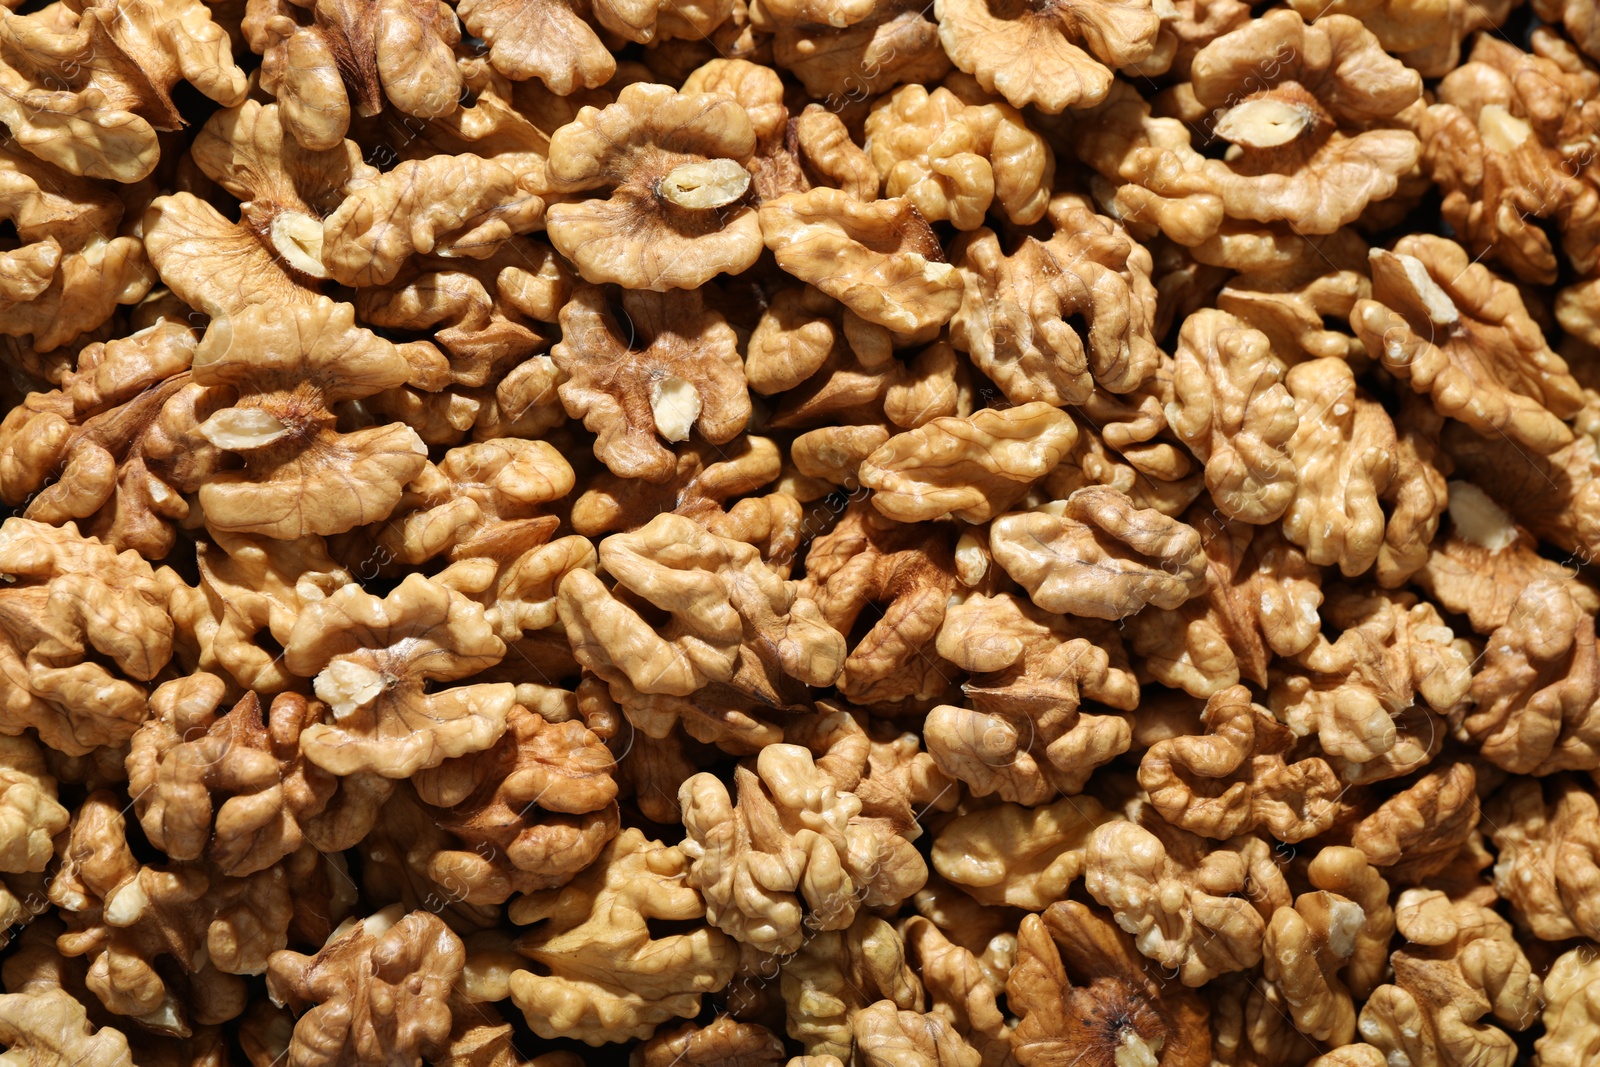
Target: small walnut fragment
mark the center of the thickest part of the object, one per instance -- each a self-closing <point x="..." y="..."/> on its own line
<point x="1548" y="836"/>
<point x="675" y="167"/>
<point x="1083" y="993"/>
<point x="607" y="978"/>
<point x="880" y="259"/>
<point x="376" y="992"/>
<point x="1101" y="556"/>
<point x="1460" y="334"/>
<point x="972" y="468"/>
<point x="1236" y="777"/>
<point x="1460" y="964"/>
<point x="372" y="660"/>
<point x="652" y="367"/>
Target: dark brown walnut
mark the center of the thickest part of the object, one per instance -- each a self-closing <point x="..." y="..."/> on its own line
<point x="646" y="367"/>
<point x="894" y="42"/>
<point x="1237" y="777"/>
<point x="676" y="215"/>
<point x="1084" y="994"/>
<point x="868" y="560"/>
<point x="1556" y="497"/>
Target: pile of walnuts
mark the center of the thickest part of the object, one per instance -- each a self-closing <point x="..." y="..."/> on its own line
<point x="839" y="533"/>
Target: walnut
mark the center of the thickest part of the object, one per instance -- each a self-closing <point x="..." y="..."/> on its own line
<point x="1231" y="407"/>
<point x="83" y="626"/>
<point x="1482" y="566"/>
<point x="836" y="974"/>
<point x="1261" y="601"/>
<point x="116" y="447"/>
<point x="1082" y="992"/>
<point x="87" y="88"/>
<point x="29" y="813"/>
<point x="796" y="828"/>
<point x="1303" y="306"/>
<point x="675" y="165"/>
<point x="1345" y="871"/>
<point x="376" y="991"/>
<point x="1017" y="308"/>
<point x="531" y="811"/>
<point x="1557" y="497"/>
<point x="1547" y="854"/>
<point x="1236" y="778"/>
<point x="1018" y="856"/>
<point x="1462" y="335"/>
<point x="1427" y="37"/>
<point x="1195" y="909"/>
<point x="1460" y="964"/>
<point x="888" y="1037"/>
<point x="607" y="976"/>
<point x="1026" y="737"/>
<point x="321" y="60"/>
<point x="1304" y="949"/>
<point x="972" y="468"/>
<point x="127" y="918"/>
<point x="216" y="266"/>
<point x="1538" y="688"/>
<point x="880" y="259"/>
<point x="66" y="275"/>
<point x="865" y="560"/>
<point x="1101" y="556"/>
<point x="52" y="1027"/>
<point x="1391" y="650"/>
<point x="274" y="376"/>
<point x="1570" y="1011"/>
<point x="961" y="989"/>
<point x="895" y="41"/>
<point x="249" y="756"/>
<point x="720" y="1043"/>
<point x="373" y="659"/>
<point x="1032" y="55"/>
<point x="664" y="367"/>
<point x="1417" y="832"/>
<point x="953" y="159"/>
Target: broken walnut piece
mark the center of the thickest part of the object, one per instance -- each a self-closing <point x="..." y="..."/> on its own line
<point x="1556" y="497"/>
<point x="1547" y="834"/>
<point x="896" y="42"/>
<point x="1098" y="555"/>
<point x="646" y="368"/>
<point x="376" y="992"/>
<point x="674" y="163"/>
<point x="1236" y="778"/>
<point x="835" y="975"/>
<point x="1418" y="831"/>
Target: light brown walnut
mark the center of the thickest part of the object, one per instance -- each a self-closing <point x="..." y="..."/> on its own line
<point x="835" y="975"/>
<point x="1426" y="36"/>
<point x="1019" y="856"/>
<point x="896" y="42"/>
<point x="1556" y="497"/>
<point x="1547" y="834"/>
<point x="1418" y="831"/>
<point x="723" y="1042"/>
<point x="30" y="815"/>
<point x="1571" y="1011"/>
<point x="51" y="1027"/>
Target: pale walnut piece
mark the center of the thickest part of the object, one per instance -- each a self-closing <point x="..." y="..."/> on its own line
<point x="1354" y="692"/>
<point x="376" y="992"/>
<point x="834" y="976"/>
<point x="972" y="468"/>
<point x="116" y="447"/>
<point x="274" y="376"/>
<point x="163" y="944"/>
<point x="1460" y="964"/>
<point x="29" y="813"/>
<point x="1019" y="856"/>
<point x="1020" y="304"/>
<point x="1261" y="601"/>
<point x="373" y="661"/>
<point x="1236" y="777"/>
<point x="1537" y="690"/>
<point x="645" y="368"/>
<point x="83" y="626"/>
<point x="1084" y="995"/>
<point x="1305" y="948"/>
<point x="531" y="812"/>
<point x="904" y="574"/>
<point x="1231" y="408"/>
<point x="795" y="835"/>
<point x="954" y="160"/>
<point x="1198" y="908"/>
<point x="49" y="1028"/>
<point x="231" y="787"/>
<point x="1460" y="334"/>
<point x="1425" y="36"/>
<point x="216" y="266"/>
<point x="606" y="976"/>
<point x="676" y="214"/>
<point x="86" y="87"/>
<point x="1418" y="831"/>
<point x="1054" y="56"/>
<point x="1571" y="1011"/>
<point x="322" y="60"/>
<point x="881" y="259"/>
<point x="1101" y="557"/>
<point x="1548" y="837"/>
<point x="1345" y="871"/>
<point x="1025" y="737"/>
